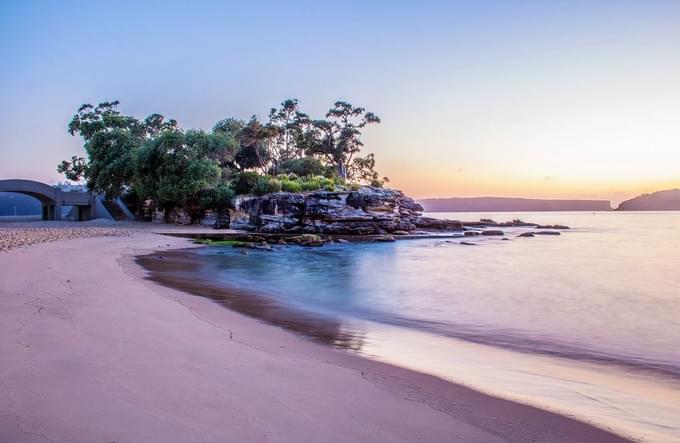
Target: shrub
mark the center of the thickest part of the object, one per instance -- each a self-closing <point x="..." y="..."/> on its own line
<point x="217" y="198"/>
<point x="303" y="167"/>
<point x="319" y="182"/>
<point x="288" y="185"/>
<point x="244" y="182"/>
<point x="266" y="185"/>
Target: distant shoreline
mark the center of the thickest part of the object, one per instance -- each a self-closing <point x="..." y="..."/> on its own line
<point x="511" y="204"/>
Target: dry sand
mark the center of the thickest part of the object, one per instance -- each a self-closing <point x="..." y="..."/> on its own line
<point x="92" y="352"/>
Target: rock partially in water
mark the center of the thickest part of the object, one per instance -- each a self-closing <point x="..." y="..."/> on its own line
<point x="526" y="234"/>
<point x="547" y="233"/>
<point x="384" y="238"/>
<point x="492" y="232"/>
<point x="436" y="224"/>
<point x="517" y="223"/>
<point x="307" y="240"/>
<point x="366" y="211"/>
<point x="552" y="227"/>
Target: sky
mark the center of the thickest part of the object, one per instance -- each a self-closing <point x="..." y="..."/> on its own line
<point x="559" y="99"/>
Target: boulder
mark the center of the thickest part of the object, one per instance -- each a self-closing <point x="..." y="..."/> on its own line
<point x="526" y="234"/>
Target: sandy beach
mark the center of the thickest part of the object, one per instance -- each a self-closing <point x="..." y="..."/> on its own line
<point x="91" y="351"/>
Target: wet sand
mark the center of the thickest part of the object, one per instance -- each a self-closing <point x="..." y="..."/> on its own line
<point x="90" y="350"/>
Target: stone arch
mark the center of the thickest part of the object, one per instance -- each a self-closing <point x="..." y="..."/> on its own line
<point x="48" y="196"/>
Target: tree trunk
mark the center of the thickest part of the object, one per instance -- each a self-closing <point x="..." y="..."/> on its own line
<point x="341" y="170"/>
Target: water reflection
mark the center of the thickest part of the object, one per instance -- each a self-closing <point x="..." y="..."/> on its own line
<point x="183" y="269"/>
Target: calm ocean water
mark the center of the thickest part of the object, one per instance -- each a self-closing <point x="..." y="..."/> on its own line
<point x="586" y="323"/>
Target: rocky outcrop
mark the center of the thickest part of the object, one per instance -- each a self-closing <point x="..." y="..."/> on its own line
<point x="366" y="211"/>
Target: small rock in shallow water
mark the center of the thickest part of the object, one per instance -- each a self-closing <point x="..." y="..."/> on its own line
<point x="526" y="234"/>
<point x="467" y="243"/>
<point x="547" y="233"/>
<point x="492" y="232"/>
<point x="384" y="238"/>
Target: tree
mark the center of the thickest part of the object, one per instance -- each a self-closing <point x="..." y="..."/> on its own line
<point x="73" y="170"/>
<point x="304" y="167"/>
<point x="229" y="127"/>
<point x="338" y="138"/>
<point x="173" y="172"/>
<point x="253" y="149"/>
<point x="362" y="169"/>
<point x="285" y="129"/>
<point x="156" y="123"/>
<point x="197" y="170"/>
<point x="111" y="139"/>
<point x="90" y="120"/>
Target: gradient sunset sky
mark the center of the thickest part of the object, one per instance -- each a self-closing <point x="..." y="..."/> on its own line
<point x="541" y="99"/>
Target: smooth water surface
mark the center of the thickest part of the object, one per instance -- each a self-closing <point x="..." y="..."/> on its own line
<point x="604" y="294"/>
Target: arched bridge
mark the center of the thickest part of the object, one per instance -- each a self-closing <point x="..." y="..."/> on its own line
<point x="52" y="199"/>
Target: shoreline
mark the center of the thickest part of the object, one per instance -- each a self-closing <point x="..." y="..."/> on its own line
<point x="158" y="363"/>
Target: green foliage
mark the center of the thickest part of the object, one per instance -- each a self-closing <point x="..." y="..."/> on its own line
<point x="74" y="169"/>
<point x="266" y="185"/>
<point x="229" y="127"/>
<point x="218" y="198"/>
<point x="285" y="130"/>
<point x="244" y="182"/>
<point x="209" y="242"/>
<point x="172" y="172"/>
<point x="304" y="167"/>
<point x="363" y="169"/>
<point x="109" y="169"/>
<point x="111" y="140"/>
<point x="338" y="138"/>
<point x="253" y="151"/>
<point x="200" y="170"/>
<point x="90" y="120"/>
<point x="288" y="185"/>
<point x="303" y="184"/>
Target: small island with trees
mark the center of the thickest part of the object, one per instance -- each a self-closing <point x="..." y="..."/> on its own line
<point x="291" y="174"/>
<point x="155" y="165"/>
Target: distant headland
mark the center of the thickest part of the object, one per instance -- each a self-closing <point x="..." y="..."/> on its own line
<point x="668" y="200"/>
<point x="504" y="204"/>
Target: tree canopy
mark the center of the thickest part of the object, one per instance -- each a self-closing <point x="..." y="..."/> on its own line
<point x="156" y="160"/>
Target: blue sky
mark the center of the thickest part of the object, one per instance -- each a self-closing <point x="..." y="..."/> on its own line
<point x="550" y="99"/>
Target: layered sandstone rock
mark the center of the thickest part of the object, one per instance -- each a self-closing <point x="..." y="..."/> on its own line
<point x="366" y="211"/>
